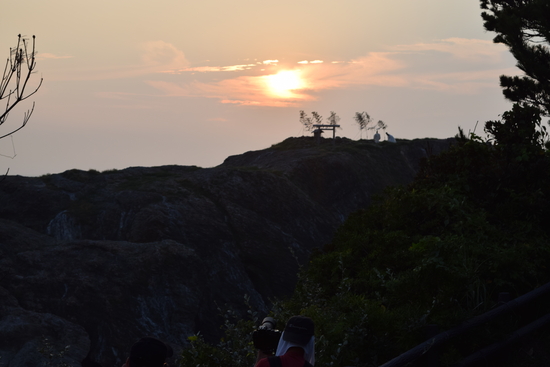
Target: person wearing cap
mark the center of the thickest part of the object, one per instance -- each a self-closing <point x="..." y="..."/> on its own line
<point x="296" y="347"/>
<point x="148" y="352"/>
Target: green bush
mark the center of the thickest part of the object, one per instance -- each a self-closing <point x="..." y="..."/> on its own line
<point x="235" y="349"/>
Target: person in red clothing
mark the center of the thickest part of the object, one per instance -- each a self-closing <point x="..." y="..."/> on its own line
<point x="296" y="347"/>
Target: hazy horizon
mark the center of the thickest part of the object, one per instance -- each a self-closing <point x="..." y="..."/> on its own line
<point x="129" y="83"/>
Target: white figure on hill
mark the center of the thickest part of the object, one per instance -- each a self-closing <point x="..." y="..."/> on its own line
<point x="391" y="139"/>
<point x="376" y="137"/>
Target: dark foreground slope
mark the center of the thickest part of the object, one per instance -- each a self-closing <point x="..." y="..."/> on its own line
<point x="96" y="260"/>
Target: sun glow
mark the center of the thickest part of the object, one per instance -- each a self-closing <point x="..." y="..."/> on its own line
<point x="284" y="82"/>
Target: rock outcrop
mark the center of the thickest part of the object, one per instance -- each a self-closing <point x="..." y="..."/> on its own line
<point x="98" y="260"/>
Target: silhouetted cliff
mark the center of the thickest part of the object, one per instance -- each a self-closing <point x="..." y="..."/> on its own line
<point x="97" y="260"/>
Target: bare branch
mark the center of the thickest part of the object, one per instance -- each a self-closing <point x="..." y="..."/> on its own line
<point x="19" y="66"/>
<point x="17" y="72"/>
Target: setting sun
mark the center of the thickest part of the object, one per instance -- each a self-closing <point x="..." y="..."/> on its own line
<point x="282" y="83"/>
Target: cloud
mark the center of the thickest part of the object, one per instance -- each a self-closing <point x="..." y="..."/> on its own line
<point x="163" y="57"/>
<point x="376" y="68"/>
<point x="46" y="56"/>
<point x="156" y="57"/>
<point x="243" y="90"/>
<point x="316" y="76"/>
<point x="305" y="62"/>
<point x="205" y="69"/>
<point x="465" y="82"/>
<point x="453" y="65"/>
<point x="460" y="48"/>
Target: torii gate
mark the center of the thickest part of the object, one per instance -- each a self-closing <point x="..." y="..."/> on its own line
<point x="326" y="127"/>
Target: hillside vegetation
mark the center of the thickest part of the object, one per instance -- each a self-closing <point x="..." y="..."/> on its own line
<point x="437" y="251"/>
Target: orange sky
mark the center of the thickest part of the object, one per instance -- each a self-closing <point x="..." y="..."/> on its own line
<point x="135" y="83"/>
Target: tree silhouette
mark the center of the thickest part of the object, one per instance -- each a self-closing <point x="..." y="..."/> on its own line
<point x="523" y="26"/>
<point x="333" y="119"/>
<point x="363" y="119"/>
<point x="360" y="119"/>
<point x="306" y="121"/>
<point x="13" y="87"/>
<point x="318" y="119"/>
<point x="380" y="125"/>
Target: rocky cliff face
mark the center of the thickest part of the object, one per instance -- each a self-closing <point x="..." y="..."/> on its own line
<point x="98" y="260"/>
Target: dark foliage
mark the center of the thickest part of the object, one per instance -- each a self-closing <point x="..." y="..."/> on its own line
<point x="523" y="26"/>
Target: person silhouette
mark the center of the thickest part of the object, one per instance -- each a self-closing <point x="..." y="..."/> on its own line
<point x="376" y="137"/>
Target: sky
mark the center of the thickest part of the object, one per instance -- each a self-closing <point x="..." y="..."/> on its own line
<point x="136" y="83"/>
